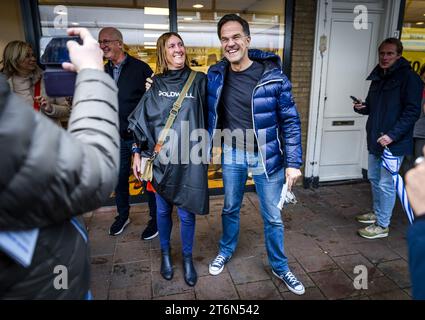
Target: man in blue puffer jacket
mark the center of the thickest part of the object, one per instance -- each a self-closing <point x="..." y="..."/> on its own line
<point x="249" y="94"/>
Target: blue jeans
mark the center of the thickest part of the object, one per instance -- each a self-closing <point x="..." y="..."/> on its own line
<point x="236" y="164"/>
<point x="122" y="194"/>
<point x="165" y="224"/>
<point x="383" y="190"/>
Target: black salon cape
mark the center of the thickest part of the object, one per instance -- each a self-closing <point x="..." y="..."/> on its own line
<point x="185" y="183"/>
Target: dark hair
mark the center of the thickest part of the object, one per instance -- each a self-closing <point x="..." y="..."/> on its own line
<point x="233" y="17"/>
<point x="394" y="41"/>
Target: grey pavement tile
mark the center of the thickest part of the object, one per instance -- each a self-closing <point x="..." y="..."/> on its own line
<point x="310" y="294"/>
<point x="314" y="260"/>
<point x="398" y="271"/>
<point x="100" y="288"/>
<point x="402" y="251"/>
<point x="154" y="243"/>
<point x="260" y="290"/>
<point x="349" y="262"/>
<point x="100" y="276"/>
<point x="349" y="235"/>
<point x="320" y="235"/>
<point x="101" y="266"/>
<point x="335" y="247"/>
<point x="103" y="220"/>
<point x="131" y="293"/>
<point x="219" y="287"/>
<point x="296" y="241"/>
<point x="102" y="244"/>
<point x="245" y="270"/>
<point x="177" y="285"/>
<point x="379" y="285"/>
<point x="131" y="275"/>
<point x="376" y="251"/>
<point x="391" y="295"/>
<point x="334" y="284"/>
<point x="131" y="252"/>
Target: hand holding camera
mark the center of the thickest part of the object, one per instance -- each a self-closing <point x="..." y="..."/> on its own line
<point x="64" y="56"/>
<point x="85" y="56"/>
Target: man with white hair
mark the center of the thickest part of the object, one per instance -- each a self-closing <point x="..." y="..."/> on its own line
<point x="130" y="76"/>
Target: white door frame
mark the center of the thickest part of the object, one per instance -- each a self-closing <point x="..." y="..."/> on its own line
<point x="319" y="74"/>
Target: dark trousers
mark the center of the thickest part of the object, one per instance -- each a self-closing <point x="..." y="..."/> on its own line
<point x="165" y="224"/>
<point x="122" y="194"/>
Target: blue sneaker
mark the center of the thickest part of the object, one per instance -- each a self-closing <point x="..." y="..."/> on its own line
<point x="217" y="265"/>
<point x="291" y="282"/>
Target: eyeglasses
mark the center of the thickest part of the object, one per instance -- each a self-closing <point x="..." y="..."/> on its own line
<point x="235" y="38"/>
<point x="106" y="42"/>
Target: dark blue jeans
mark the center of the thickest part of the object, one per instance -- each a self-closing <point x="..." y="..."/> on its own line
<point x="122" y="194"/>
<point x="165" y="224"/>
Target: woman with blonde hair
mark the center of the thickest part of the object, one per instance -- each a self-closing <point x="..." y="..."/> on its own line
<point x="26" y="80"/>
<point x="181" y="182"/>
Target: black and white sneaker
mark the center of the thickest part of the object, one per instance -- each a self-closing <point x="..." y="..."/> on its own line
<point x="118" y="226"/>
<point x="151" y="230"/>
<point x="291" y="282"/>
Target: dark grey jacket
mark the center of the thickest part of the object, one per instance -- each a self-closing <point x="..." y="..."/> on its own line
<point x="182" y="182"/>
<point x="49" y="175"/>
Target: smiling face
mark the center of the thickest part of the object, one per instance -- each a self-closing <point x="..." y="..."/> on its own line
<point x="235" y="43"/>
<point x="175" y="53"/>
<point x="29" y="63"/>
<point x="111" y="46"/>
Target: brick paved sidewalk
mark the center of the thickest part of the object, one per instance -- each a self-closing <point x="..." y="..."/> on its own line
<point x="320" y="241"/>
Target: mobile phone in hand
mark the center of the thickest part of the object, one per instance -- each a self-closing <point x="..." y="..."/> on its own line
<point x="53" y="52"/>
<point x="355" y="100"/>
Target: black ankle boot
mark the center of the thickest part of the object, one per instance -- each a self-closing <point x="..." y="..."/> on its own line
<point x="166" y="265"/>
<point x="190" y="275"/>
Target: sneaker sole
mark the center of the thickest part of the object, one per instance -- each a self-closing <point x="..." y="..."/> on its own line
<point x="290" y="289"/>
<point x="367" y="221"/>
<point x="383" y="235"/>
<point x="151" y="237"/>
<point x="215" y="273"/>
<point x="122" y="229"/>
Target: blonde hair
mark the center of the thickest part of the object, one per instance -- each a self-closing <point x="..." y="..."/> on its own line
<point x="161" y="52"/>
<point x="13" y="56"/>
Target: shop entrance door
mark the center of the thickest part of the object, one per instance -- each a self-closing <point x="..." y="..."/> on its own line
<point x="337" y="148"/>
<point x="352" y="55"/>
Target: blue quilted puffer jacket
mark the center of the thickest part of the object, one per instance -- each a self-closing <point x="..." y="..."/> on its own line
<point x="275" y="116"/>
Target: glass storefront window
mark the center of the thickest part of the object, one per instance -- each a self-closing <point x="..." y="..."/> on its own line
<point x="413" y="34"/>
<point x="141" y="22"/>
<point x="198" y="27"/>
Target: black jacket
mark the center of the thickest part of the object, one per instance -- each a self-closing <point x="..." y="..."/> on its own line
<point x="181" y="182"/>
<point x="393" y="105"/>
<point x="131" y="86"/>
<point x="49" y="175"/>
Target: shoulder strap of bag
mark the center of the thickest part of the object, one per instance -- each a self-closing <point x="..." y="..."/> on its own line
<point x="173" y="113"/>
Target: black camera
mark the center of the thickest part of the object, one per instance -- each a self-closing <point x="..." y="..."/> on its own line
<point x="53" y="52"/>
